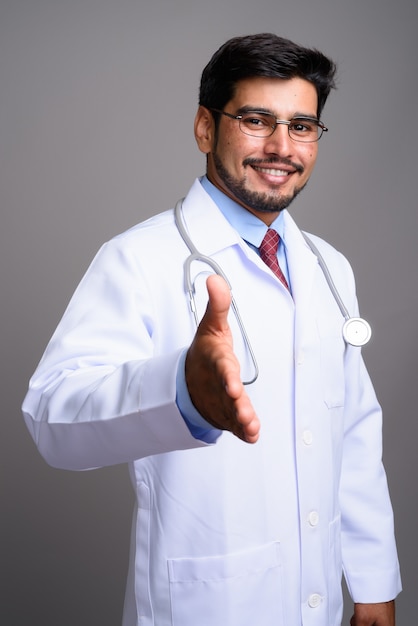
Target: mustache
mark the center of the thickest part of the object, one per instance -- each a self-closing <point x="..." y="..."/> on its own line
<point x="273" y="161"/>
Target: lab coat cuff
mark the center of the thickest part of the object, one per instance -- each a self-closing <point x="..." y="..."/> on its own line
<point x="374" y="587"/>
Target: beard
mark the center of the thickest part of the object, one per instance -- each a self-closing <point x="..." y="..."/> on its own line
<point x="258" y="201"/>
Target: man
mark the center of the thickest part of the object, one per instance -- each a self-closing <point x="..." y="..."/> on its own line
<point x="251" y="498"/>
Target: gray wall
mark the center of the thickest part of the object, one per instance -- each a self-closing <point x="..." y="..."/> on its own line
<point x="97" y="99"/>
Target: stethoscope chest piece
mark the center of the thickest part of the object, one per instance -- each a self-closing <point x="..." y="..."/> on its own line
<point x="356" y="331"/>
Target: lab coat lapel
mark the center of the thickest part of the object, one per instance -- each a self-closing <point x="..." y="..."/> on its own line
<point x="207" y="227"/>
<point x="211" y="233"/>
<point x="303" y="266"/>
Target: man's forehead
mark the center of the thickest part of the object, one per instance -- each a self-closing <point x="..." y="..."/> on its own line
<point x="268" y="93"/>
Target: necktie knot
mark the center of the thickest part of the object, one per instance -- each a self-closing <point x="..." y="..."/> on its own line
<point x="268" y="253"/>
<point x="270" y="243"/>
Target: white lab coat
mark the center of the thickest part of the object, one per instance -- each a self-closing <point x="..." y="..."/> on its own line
<point x="226" y="534"/>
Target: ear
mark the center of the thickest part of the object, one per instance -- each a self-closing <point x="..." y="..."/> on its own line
<point x="204" y="130"/>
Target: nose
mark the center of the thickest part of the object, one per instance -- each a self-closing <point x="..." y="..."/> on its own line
<point x="280" y="142"/>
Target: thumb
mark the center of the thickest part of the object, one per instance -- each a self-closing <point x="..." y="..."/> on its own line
<point x="218" y="306"/>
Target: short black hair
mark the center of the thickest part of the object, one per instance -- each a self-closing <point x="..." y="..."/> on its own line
<point x="268" y="55"/>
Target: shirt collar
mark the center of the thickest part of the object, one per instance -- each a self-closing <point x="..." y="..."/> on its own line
<point x="249" y="227"/>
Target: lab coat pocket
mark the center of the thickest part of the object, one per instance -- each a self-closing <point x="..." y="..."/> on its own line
<point x="242" y="589"/>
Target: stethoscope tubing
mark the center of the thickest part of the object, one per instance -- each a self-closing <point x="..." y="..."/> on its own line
<point x="195" y="255"/>
<point x="356" y="331"/>
<point x="328" y="276"/>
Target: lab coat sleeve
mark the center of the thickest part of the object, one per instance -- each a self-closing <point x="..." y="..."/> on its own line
<point x="198" y="426"/>
<point x="369" y="552"/>
<point x="103" y="393"/>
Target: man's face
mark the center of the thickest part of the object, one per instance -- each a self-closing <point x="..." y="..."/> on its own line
<point x="261" y="174"/>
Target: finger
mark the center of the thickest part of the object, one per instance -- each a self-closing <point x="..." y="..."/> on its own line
<point x="216" y="316"/>
<point x="252" y="432"/>
<point x="248" y="419"/>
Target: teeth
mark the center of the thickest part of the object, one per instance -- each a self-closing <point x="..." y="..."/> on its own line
<point x="271" y="171"/>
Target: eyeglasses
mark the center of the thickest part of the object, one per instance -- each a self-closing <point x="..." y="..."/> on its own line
<point x="260" y="124"/>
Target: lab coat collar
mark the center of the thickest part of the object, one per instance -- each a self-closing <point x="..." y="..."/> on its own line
<point x="209" y="230"/>
<point x="211" y="233"/>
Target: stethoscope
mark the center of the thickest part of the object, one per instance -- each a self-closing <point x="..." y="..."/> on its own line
<point x="356" y="331"/>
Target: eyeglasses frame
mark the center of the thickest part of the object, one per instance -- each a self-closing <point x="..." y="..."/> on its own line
<point x="239" y="117"/>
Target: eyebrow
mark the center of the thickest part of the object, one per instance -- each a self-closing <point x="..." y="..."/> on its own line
<point x="253" y="109"/>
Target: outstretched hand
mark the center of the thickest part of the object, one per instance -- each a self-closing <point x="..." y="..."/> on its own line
<point x="213" y="372"/>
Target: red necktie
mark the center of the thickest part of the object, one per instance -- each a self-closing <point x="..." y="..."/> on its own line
<point x="268" y="252"/>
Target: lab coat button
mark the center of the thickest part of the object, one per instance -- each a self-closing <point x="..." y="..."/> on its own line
<point x="300" y="358"/>
<point x="313" y="518"/>
<point x="314" y="600"/>
<point x="307" y="437"/>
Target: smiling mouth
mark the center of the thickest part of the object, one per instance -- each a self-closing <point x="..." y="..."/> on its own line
<point x="271" y="171"/>
<point x="271" y="167"/>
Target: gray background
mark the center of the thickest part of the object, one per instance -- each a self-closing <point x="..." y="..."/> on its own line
<point x="97" y="99"/>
